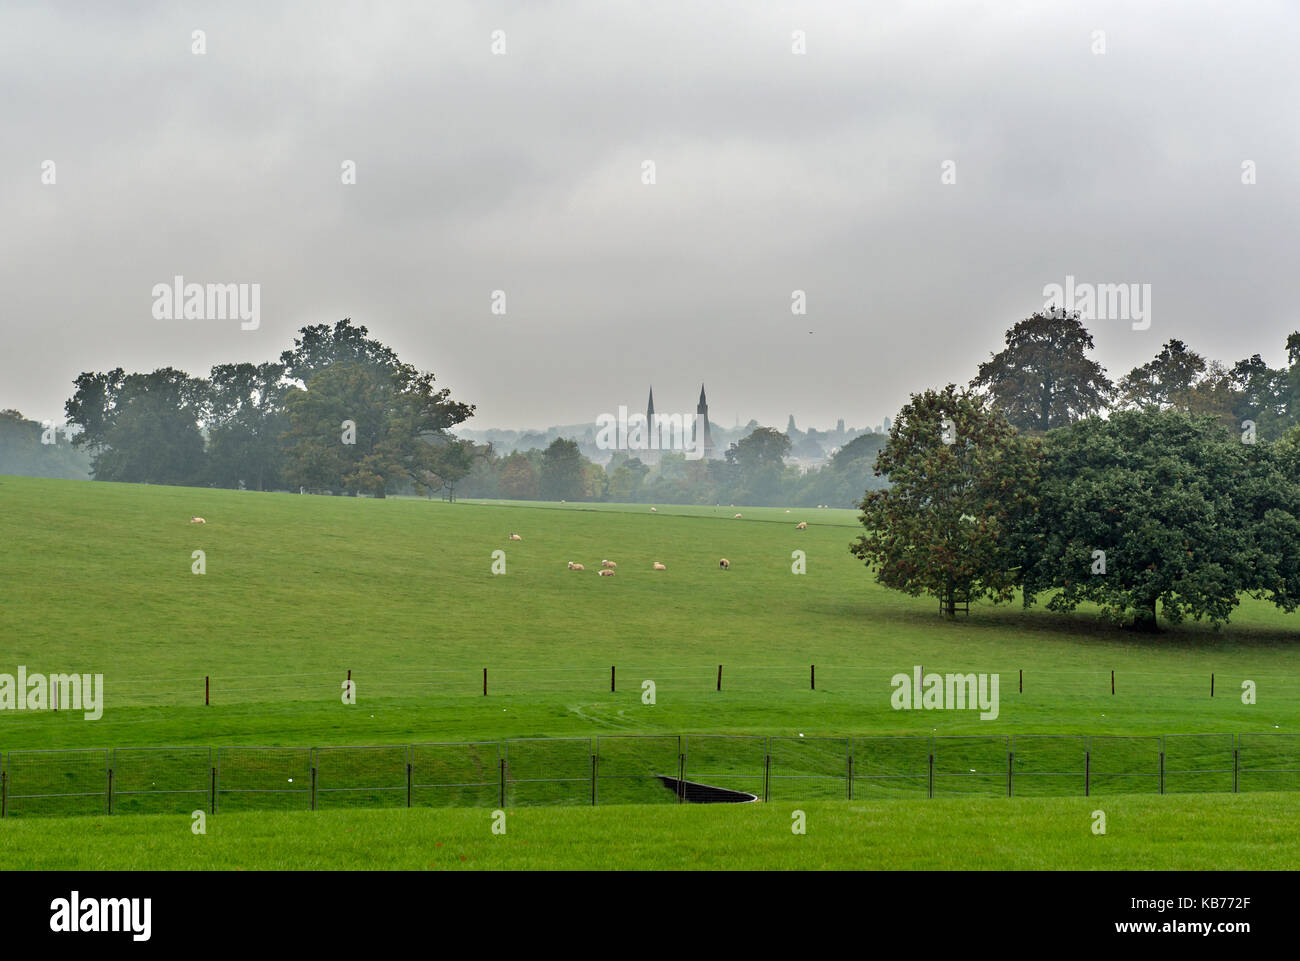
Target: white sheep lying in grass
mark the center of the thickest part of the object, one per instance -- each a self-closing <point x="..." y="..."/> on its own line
<point x="575" y="567"/>
<point x="197" y="520"/>
<point x="659" y="567"/>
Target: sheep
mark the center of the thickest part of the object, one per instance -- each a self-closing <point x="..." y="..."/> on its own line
<point x="654" y="510"/>
<point x="609" y="564"/>
<point x="575" y="567"/>
<point x="737" y="517"/>
<point x="801" y="526"/>
<point x="197" y="520"/>
<point x="515" y="537"/>
<point x="659" y="567"/>
<point x="725" y="564"/>
<point x="606" y="573"/>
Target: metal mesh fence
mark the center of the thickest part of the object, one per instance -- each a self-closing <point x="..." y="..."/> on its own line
<point x="361" y="776"/>
<point x="57" y="782"/>
<point x="808" y="768"/>
<point x="890" y="767"/>
<point x="734" y="761"/>
<point x="1204" y="763"/>
<point x="161" y="780"/>
<point x="639" y="769"/>
<point x="456" y="774"/>
<point x="546" y="770"/>
<point x="1049" y="765"/>
<point x="1124" y="764"/>
<point x="971" y="764"/>
<point x="1268" y="762"/>
<point x="277" y="778"/>
<point x="630" y="768"/>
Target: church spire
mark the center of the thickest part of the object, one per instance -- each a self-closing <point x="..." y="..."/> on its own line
<point x="702" y="413"/>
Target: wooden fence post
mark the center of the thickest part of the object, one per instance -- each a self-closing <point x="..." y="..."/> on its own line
<point x="719" y="677"/>
<point x="207" y="690"/>
<point x="812" y="676"/>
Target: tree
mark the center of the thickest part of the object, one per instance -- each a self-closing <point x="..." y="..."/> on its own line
<point x="141" y="427"/>
<point x="23" y="452"/>
<point x="366" y="427"/>
<point x="763" y="447"/>
<point x="1139" y="508"/>
<point x="1043" y="378"/>
<point x="1165" y="382"/>
<point x="962" y="483"/>
<point x="1260" y="395"/>
<point x="561" y="476"/>
<point x="319" y="346"/>
<point x="246" y="419"/>
<point x="518" y="479"/>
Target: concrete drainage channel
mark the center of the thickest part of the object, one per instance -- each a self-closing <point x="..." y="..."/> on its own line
<point x="694" y="793"/>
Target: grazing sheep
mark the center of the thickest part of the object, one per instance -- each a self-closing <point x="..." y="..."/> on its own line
<point x="801" y="526"/>
<point x="575" y="567"/>
<point x="606" y="573"/>
<point x="725" y="564"/>
<point x="515" y="537"/>
<point x="659" y="567"/>
<point x="654" y="510"/>
<point x="737" y="517"/>
<point x="609" y="564"/>
<point x="197" y="520"/>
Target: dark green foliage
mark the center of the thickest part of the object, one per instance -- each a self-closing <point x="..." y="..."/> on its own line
<point x="949" y="523"/>
<point x="1043" y="378"/>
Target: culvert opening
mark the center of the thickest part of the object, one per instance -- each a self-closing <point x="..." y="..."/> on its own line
<point x="695" y="793"/>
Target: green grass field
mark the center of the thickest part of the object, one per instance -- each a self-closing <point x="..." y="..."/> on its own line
<point x="1195" y="832"/>
<point x="299" y="590"/>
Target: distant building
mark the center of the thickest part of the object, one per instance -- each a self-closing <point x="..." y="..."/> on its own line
<point x="702" y="410"/>
<point x="654" y="456"/>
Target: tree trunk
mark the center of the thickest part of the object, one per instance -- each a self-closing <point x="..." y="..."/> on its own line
<point x="1145" y="618"/>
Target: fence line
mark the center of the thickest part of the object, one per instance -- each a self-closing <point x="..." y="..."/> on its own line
<point x="638" y="769"/>
<point x="403" y="682"/>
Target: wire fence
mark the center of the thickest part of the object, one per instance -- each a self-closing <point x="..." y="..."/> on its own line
<point x="231" y="689"/>
<point x="638" y="769"/>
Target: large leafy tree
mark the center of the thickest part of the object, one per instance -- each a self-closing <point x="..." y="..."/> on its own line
<point x="141" y="427"/>
<point x="246" y="419"/>
<point x="962" y="484"/>
<point x="1166" y="381"/>
<point x="397" y="434"/>
<point x="318" y="346"/>
<point x="561" y="476"/>
<point x="1154" y="491"/>
<point x="1044" y="378"/>
<point x="518" y="478"/>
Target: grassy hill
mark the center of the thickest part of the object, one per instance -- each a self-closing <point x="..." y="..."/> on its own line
<point x="299" y="590"/>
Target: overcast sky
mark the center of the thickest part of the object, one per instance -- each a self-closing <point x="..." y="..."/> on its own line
<point x="523" y="172"/>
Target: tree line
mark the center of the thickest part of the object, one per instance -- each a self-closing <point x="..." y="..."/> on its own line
<point x="1179" y="486"/>
<point x="338" y="411"/>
